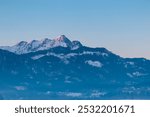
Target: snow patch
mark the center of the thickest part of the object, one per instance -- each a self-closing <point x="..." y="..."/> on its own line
<point x="20" y="88"/>
<point x="74" y="94"/>
<point x="135" y="74"/>
<point x="130" y="75"/>
<point x="96" y="93"/>
<point x="37" y="57"/>
<point x="94" y="63"/>
<point x="131" y="63"/>
<point x="67" y="56"/>
<point x="70" y="94"/>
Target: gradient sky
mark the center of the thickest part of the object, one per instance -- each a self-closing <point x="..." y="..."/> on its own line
<point x="122" y="26"/>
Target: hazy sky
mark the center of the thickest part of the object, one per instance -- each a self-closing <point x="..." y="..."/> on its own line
<point x="122" y="26"/>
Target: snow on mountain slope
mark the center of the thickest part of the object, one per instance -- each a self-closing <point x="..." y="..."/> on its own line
<point x="65" y="73"/>
<point x="36" y="45"/>
<point x="94" y="63"/>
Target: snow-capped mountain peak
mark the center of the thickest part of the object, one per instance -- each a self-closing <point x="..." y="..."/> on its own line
<point x="22" y="43"/>
<point x="63" y="41"/>
<point x="36" y="45"/>
<point x="61" y="38"/>
<point x="76" y="45"/>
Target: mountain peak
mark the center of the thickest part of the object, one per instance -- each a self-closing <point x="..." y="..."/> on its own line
<point x="22" y="43"/>
<point x="61" y="38"/>
<point x="36" y="45"/>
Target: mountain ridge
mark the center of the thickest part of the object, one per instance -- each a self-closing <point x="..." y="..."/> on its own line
<point x="36" y="45"/>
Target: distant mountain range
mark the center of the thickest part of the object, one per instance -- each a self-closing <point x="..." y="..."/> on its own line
<point x="35" y="45"/>
<point x="63" y="69"/>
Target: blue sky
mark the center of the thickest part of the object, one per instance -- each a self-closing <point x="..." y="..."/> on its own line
<point x="122" y="26"/>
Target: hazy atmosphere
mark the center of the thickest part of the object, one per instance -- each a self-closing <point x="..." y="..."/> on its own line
<point x="122" y="26"/>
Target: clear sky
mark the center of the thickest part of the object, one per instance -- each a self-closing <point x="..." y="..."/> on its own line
<point x="122" y="26"/>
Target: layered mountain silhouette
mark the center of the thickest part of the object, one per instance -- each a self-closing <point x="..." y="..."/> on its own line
<point x="63" y="69"/>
